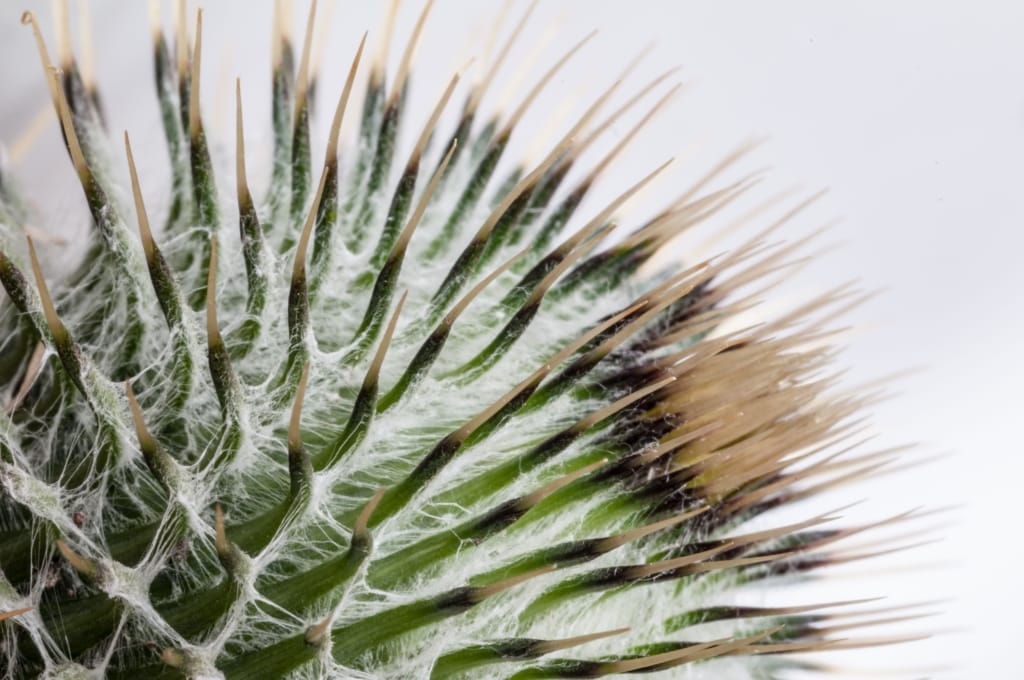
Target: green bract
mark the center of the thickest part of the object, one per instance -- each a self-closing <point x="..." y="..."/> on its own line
<point x="403" y="416"/>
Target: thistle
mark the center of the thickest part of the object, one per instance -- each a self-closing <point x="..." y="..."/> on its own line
<point x="402" y="415"/>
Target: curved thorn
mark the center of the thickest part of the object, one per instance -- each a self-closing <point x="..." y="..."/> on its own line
<point x="339" y="111"/>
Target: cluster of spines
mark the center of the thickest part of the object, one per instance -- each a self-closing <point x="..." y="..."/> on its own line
<point x="695" y="435"/>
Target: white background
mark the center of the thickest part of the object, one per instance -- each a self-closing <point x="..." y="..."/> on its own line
<point x="912" y="113"/>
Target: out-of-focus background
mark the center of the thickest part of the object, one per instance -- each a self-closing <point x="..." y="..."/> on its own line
<point x="911" y="113"/>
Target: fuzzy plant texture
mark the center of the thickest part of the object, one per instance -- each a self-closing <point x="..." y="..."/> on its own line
<point x="407" y="414"/>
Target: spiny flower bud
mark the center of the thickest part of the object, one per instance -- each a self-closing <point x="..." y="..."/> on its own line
<point x="418" y="410"/>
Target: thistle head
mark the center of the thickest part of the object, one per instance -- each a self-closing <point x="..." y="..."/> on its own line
<point x="415" y="408"/>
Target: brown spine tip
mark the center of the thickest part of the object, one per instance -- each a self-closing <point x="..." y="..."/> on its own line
<point x="527" y="502"/>
<point x="549" y="646"/>
<point x="381" y="58"/>
<point x="468" y="298"/>
<point x="155" y="23"/>
<point x="32" y="371"/>
<point x="88" y="60"/>
<point x="82" y="565"/>
<point x="145" y="233"/>
<point x="242" y="182"/>
<point x="481" y="87"/>
<point x="339" y="111"/>
<point x="294" y="424"/>
<point x="428" y="129"/>
<point x="359" y="530"/>
<point x="373" y="372"/>
<point x="484" y="592"/>
<point x="299" y="265"/>
<point x="194" y="123"/>
<point x="29" y="19"/>
<point x="181" y="40"/>
<point x="302" y="82"/>
<point x="221" y="540"/>
<point x="56" y="326"/>
<point x="545" y="79"/>
<point x="62" y="19"/>
<point x="60" y="102"/>
<point x="421" y="207"/>
<point x="14" y="612"/>
<point x="317" y="634"/>
<point x="405" y="65"/>
<point x="146" y="441"/>
<point x="174" y="658"/>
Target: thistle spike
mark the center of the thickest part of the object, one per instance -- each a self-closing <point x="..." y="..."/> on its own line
<point x="224" y="381"/>
<point x="366" y="400"/>
<point x="253" y="246"/>
<point x="227" y="552"/>
<point x="406" y="62"/>
<point x="299" y="467"/>
<point x="157" y="460"/>
<point x="194" y="121"/>
<point x="380" y="60"/>
<point x="181" y="45"/>
<point x="480" y="89"/>
<point x="600" y="425"/>
<point x="407" y="184"/>
<point x="432" y="347"/>
<point x="29" y="19"/>
<point x="82" y="565"/>
<point x="59" y="332"/>
<point x="14" y="612"/>
<point x="388" y="276"/>
<point x="474" y="251"/>
<point x="88" y="61"/>
<point x="28" y="380"/>
<point x="300" y="152"/>
<point x="327" y="216"/>
<point x="302" y="81"/>
<point x="63" y="22"/>
<point x="318" y="634"/>
<point x="164" y="285"/>
<point x="524" y="106"/>
<point x="331" y="158"/>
